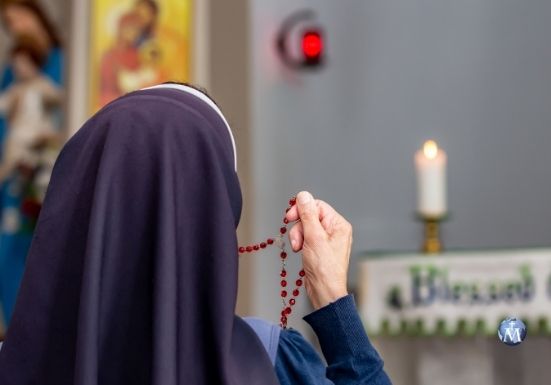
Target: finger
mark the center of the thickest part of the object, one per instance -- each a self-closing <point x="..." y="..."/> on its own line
<point x="296" y="236"/>
<point x="331" y="220"/>
<point x="328" y="215"/>
<point x="292" y="214"/>
<point x="309" y="216"/>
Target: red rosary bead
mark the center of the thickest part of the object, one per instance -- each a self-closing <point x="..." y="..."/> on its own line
<point x="286" y="310"/>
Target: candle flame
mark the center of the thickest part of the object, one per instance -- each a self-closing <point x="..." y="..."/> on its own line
<point x="430" y="149"/>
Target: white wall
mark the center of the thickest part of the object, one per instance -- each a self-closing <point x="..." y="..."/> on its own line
<point x="475" y="75"/>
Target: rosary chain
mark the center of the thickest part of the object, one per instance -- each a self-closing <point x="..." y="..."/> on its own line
<point x="287" y="306"/>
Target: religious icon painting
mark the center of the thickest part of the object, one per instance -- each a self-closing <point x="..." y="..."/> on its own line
<point x="137" y="44"/>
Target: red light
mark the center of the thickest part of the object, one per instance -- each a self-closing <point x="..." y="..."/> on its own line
<point x="312" y="45"/>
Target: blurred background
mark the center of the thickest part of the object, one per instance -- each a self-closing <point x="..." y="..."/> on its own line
<point x="337" y="98"/>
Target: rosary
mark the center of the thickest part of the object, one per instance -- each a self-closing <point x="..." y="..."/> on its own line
<point x="287" y="306"/>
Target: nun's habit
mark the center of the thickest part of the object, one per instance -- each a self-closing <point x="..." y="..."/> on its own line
<point x="132" y="273"/>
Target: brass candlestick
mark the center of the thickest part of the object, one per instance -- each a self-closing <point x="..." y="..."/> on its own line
<point x="431" y="242"/>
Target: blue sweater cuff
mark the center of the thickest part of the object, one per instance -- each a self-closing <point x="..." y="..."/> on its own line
<point x="340" y="331"/>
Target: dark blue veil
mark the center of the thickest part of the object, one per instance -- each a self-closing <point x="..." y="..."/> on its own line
<point x="132" y="273"/>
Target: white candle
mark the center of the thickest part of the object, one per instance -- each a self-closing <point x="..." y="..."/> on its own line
<point x="430" y="165"/>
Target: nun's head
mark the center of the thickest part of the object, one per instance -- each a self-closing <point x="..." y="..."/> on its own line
<point x="213" y="127"/>
<point x="132" y="273"/>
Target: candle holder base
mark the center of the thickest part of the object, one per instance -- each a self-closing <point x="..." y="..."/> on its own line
<point x="432" y="243"/>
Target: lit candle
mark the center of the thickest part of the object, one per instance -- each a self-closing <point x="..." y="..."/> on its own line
<point x="430" y="165"/>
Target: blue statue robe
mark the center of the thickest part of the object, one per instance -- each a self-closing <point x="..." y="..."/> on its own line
<point x="15" y="245"/>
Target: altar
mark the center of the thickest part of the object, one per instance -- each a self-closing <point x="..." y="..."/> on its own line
<point x="435" y="317"/>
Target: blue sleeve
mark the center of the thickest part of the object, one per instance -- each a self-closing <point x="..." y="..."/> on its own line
<point x="297" y="362"/>
<point x="351" y="359"/>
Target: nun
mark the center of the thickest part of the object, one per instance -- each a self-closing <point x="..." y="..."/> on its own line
<point x="132" y="273"/>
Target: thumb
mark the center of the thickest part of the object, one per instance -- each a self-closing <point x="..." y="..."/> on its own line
<point x="308" y="212"/>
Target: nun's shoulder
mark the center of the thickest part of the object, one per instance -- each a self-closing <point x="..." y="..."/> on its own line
<point x="268" y="333"/>
<point x="297" y="361"/>
<point x="294" y="347"/>
<point x="287" y="345"/>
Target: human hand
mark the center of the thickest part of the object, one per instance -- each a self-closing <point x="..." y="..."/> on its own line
<point x="325" y="239"/>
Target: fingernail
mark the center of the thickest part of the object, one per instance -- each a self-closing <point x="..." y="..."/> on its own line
<point x="294" y="243"/>
<point x="304" y="197"/>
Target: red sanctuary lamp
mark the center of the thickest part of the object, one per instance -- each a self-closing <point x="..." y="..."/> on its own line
<point x="312" y="47"/>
